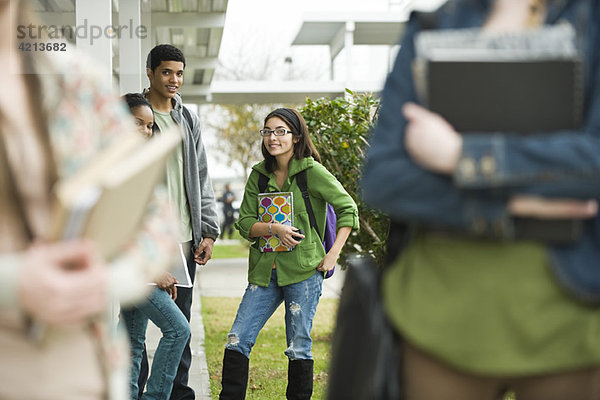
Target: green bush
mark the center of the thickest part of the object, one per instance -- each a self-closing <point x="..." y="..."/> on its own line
<point x="340" y="129"/>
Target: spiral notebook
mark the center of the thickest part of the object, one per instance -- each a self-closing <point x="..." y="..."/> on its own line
<point x="277" y="208"/>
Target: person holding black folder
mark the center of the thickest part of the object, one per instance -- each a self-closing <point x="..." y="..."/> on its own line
<point x="481" y="307"/>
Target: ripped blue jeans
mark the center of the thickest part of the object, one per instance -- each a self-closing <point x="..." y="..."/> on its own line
<point x="259" y="303"/>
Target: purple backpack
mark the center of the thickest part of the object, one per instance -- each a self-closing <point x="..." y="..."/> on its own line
<point x="330" y="234"/>
<point x="331" y="219"/>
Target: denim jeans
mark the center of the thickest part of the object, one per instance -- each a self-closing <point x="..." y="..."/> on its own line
<point x="181" y="389"/>
<point x="259" y="303"/>
<point x="162" y="311"/>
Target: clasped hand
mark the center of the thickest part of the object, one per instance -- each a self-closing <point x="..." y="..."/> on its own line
<point x="62" y="284"/>
<point x="433" y="144"/>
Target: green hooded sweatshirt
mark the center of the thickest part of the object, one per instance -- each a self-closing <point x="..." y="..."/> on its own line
<point x="300" y="263"/>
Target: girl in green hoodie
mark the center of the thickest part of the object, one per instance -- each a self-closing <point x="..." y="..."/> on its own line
<point x="296" y="276"/>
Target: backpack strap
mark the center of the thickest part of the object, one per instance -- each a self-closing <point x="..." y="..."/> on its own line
<point x="303" y="186"/>
<point x="263" y="181"/>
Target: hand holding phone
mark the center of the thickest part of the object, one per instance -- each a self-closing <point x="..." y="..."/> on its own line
<point x="298" y="238"/>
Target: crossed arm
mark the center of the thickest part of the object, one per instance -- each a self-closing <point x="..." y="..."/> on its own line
<point x="434" y="145"/>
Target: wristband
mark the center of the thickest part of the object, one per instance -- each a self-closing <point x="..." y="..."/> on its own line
<point x="270" y="233"/>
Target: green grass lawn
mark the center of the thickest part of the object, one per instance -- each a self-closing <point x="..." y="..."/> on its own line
<point x="237" y="250"/>
<point x="268" y="364"/>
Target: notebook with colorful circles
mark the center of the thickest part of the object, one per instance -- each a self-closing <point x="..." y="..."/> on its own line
<point x="277" y="208"/>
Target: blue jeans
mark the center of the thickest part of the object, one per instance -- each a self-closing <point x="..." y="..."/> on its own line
<point x="259" y="303"/>
<point x="181" y="390"/>
<point x="162" y="311"/>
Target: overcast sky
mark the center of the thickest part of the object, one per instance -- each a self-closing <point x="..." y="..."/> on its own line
<point x="260" y="29"/>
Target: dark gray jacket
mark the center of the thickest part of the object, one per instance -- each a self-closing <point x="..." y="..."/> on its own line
<point x="198" y="186"/>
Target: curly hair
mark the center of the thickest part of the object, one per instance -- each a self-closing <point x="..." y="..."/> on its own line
<point x="164" y="52"/>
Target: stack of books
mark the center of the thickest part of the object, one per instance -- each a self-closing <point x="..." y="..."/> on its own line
<point x="106" y="201"/>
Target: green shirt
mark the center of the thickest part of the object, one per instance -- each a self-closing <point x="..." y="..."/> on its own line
<point x="489" y="307"/>
<point x="299" y="264"/>
<point x="175" y="182"/>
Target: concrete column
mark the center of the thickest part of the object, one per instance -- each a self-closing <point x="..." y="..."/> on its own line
<point x="146" y="46"/>
<point x="348" y="46"/>
<point x="331" y="61"/>
<point x="130" y="46"/>
<point x="93" y="24"/>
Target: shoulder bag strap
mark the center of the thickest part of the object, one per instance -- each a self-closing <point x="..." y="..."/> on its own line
<point x="303" y="186"/>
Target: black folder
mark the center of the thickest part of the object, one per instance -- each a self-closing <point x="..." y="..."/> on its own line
<point x="523" y="96"/>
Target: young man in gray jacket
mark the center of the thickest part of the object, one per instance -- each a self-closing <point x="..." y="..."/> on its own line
<point x="190" y="188"/>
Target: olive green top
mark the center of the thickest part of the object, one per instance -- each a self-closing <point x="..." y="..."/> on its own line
<point x="300" y="263"/>
<point x="175" y="182"/>
<point x="489" y="307"/>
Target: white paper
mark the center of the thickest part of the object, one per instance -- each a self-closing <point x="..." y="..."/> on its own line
<point x="180" y="272"/>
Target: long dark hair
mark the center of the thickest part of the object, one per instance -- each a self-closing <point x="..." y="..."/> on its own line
<point x="304" y="147"/>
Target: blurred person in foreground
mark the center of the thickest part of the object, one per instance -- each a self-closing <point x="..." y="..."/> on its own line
<point x="159" y="307"/>
<point x="55" y="115"/>
<point x="479" y="316"/>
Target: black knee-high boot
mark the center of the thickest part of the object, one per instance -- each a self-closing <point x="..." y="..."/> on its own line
<point x="300" y="380"/>
<point x="235" y="376"/>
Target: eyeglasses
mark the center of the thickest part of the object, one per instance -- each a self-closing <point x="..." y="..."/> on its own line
<point x="277" y="132"/>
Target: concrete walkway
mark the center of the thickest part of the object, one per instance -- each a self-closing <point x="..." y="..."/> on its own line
<point x="221" y="278"/>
